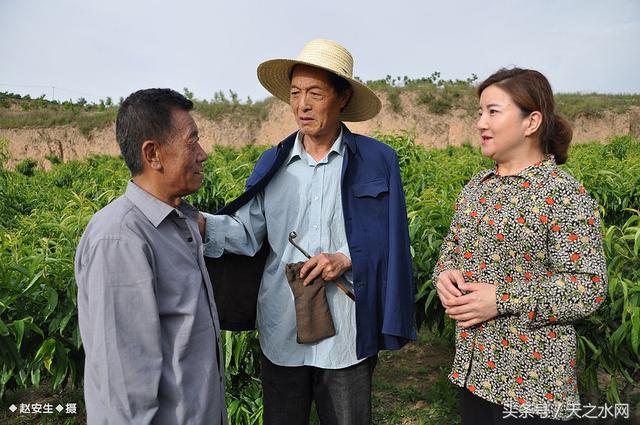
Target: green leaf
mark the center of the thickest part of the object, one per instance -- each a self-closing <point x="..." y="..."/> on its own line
<point x="4" y="330"/>
<point x="45" y="352"/>
<point x="52" y="302"/>
<point x="33" y="281"/>
<point x="635" y="330"/>
<point x="35" y="377"/>
<point x="18" y="328"/>
<point x="595" y="350"/>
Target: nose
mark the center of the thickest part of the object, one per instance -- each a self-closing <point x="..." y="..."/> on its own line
<point x="304" y="104"/>
<point x="201" y="155"/>
<point x="481" y="124"/>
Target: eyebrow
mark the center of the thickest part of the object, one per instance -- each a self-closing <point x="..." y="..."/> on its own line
<point x="315" y="86"/>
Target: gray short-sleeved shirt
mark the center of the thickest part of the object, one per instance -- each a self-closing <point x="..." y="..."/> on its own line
<point x="148" y="321"/>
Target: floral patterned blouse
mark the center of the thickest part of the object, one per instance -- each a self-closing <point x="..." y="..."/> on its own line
<point x="536" y="236"/>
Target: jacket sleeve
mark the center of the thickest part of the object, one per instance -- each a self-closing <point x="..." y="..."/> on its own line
<point x="576" y="281"/>
<point x="243" y="231"/>
<point x="400" y="295"/>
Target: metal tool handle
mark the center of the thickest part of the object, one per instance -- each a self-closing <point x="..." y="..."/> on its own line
<point x="340" y="282"/>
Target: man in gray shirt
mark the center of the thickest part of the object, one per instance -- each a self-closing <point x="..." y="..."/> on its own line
<point x="147" y="317"/>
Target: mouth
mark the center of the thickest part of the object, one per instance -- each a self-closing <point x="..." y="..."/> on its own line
<point x="306" y="120"/>
<point x="486" y="139"/>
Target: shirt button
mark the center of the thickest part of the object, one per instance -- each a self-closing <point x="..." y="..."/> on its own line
<point x="315" y="227"/>
<point x="316" y="198"/>
<point x="190" y="239"/>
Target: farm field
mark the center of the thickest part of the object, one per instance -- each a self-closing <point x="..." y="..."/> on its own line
<point x="43" y="214"/>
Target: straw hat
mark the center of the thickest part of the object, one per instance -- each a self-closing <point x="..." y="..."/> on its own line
<point x="329" y="55"/>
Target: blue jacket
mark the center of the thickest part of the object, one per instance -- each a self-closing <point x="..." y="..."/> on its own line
<point x="377" y="233"/>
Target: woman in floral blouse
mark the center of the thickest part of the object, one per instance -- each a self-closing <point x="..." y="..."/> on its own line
<point x="523" y="260"/>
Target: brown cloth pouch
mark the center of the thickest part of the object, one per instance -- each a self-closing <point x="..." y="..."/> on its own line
<point x="313" y="317"/>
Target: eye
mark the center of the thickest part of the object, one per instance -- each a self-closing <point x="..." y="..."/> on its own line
<point x="294" y="92"/>
<point x="193" y="142"/>
<point x="316" y="95"/>
<point x="493" y="111"/>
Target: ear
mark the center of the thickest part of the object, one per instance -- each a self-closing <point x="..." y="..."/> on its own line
<point x="151" y="155"/>
<point x="344" y="101"/>
<point x="534" y="123"/>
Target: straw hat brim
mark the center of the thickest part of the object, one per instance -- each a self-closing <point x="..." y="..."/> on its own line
<point x="274" y="76"/>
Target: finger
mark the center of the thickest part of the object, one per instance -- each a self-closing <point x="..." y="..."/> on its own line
<point x="448" y="280"/>
<point x="315" y="272"/>
<point x="447" y="293"/>
<point x="443" y="300"/>
<point x="462" y="300"/>
<point x="471" y="287"/>
<point x="469" y="323"/>
<point x="458" y="278"/>
<point x="202" y="222"/>
<point x="461" y="309"/>
<point x="448" y="288"/>
<point x="463" y="317"/>
<point x="308" y="265"/>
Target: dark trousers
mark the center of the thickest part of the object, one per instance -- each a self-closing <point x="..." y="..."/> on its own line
<point x="478" y="411"/>
<point x="342" y="396"/>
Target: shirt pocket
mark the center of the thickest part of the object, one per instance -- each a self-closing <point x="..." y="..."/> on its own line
<point x="371" y="189"/>
<point x="371" y="204"/>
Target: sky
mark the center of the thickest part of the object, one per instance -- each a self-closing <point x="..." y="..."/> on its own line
<point x="66" y="49"/>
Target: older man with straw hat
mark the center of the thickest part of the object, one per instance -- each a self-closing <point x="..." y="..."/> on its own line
<point x="342" y="195"/>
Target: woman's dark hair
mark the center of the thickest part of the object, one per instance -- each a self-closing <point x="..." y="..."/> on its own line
<point x="146" y="115"/>
<point x="531" y="91"/>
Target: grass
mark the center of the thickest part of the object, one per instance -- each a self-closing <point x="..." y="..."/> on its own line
<point x="573" y="105"/>
<point x="43" y="395"/>
<point x="410" y="386"/>
<point x="24" y="112"/>
<point x="249" y="112"/>
<point x="436" y="95"/>
<point x="85" y="121"/>
<point x="441" y="96"/>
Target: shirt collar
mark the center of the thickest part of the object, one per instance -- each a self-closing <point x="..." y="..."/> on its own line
<point x="298" y="152"/>
<point x="536" y="169"/>
<point x="154" y="209"/>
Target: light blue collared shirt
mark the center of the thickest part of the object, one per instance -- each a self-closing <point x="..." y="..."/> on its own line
<point x="305" y="196"/>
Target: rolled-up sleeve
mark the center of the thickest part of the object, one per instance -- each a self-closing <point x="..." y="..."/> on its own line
<point x="241" y="233"/>
<point x="121" y="328"/>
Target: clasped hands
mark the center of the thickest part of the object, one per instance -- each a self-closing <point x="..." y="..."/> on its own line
<point x="467" y="303"/>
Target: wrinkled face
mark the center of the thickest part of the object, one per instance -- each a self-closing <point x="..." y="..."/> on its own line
<point x="501" y="124"/>
<point x="182" y="156"/>
<point x="315" y="103"/>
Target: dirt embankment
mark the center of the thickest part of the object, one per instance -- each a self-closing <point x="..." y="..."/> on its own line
<point x="432" y="130"/>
